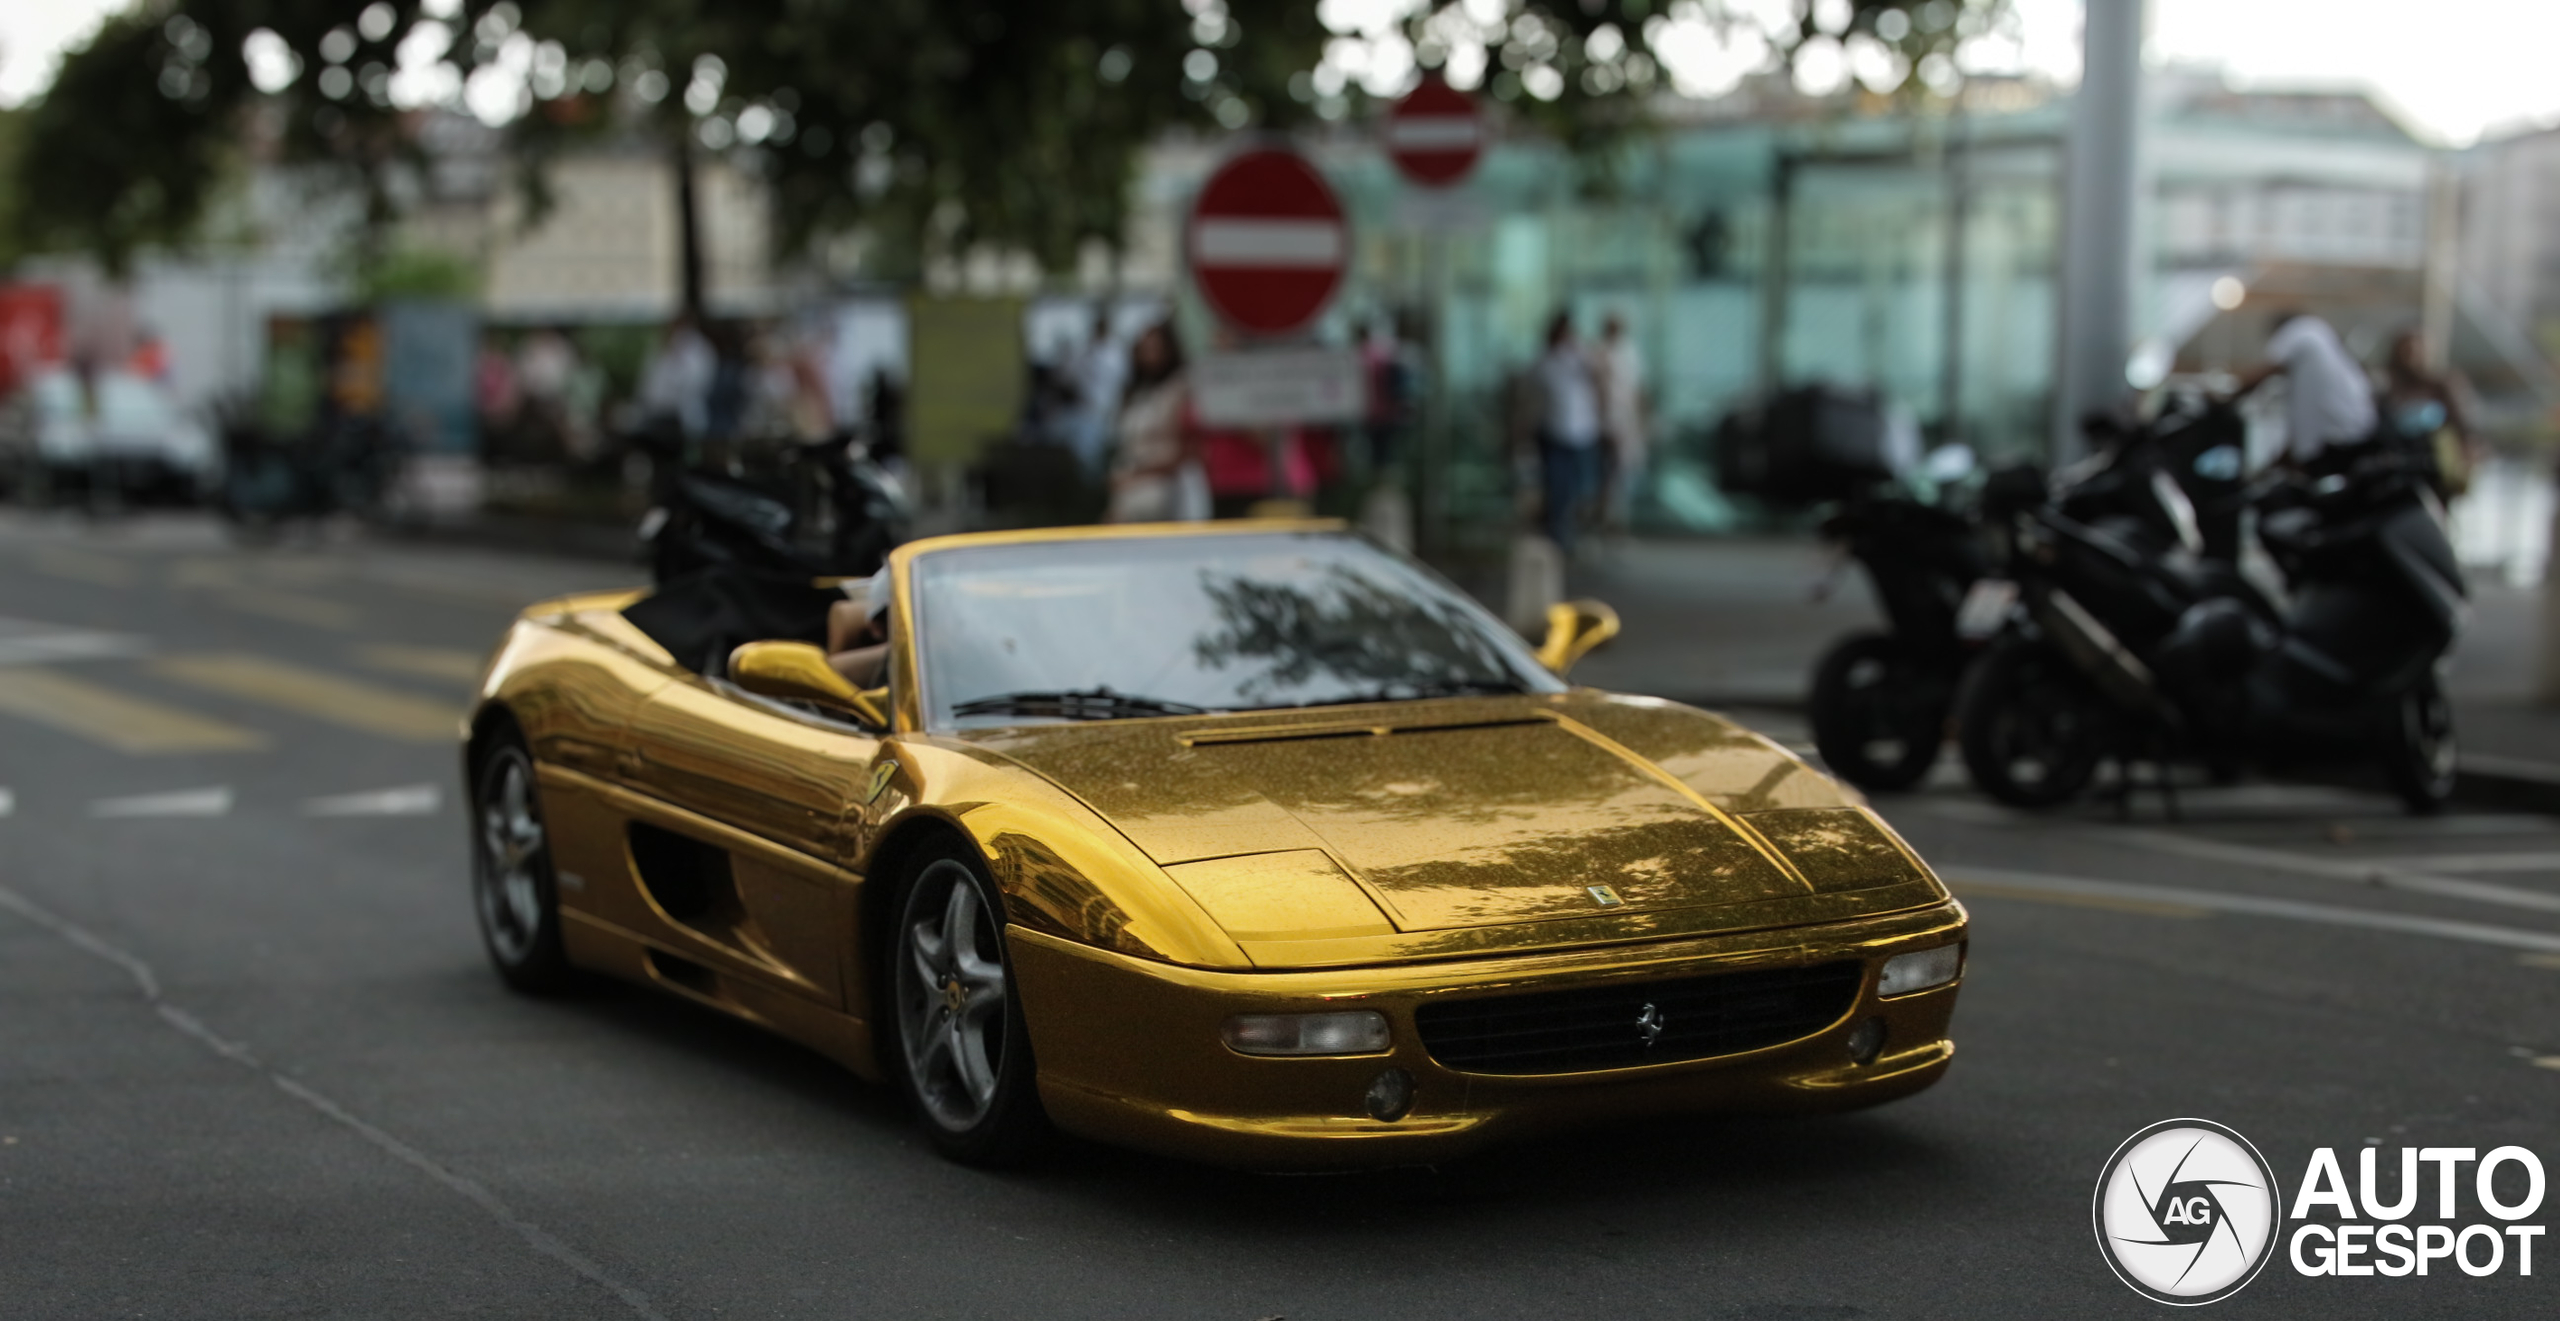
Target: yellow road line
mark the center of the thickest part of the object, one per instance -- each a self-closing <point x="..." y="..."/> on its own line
<point x="1968" y="889"/>
<point x="424" y="662"/>
<point x="291" y="608"/>
<point x="354" y="704"/>
<point x="101" y="715"/>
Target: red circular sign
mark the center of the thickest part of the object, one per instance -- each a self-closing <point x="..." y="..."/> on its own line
<point x="1267" y="241"/>
<point x="1434" y="134"/>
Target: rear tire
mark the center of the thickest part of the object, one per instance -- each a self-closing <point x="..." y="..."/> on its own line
<point x="957" y="1043"/>
<point x="2419" y="754"/>
<point x="2029" y="726"/>
<point x="1878" y="716"/>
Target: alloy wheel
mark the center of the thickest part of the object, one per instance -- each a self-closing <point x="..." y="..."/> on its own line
<point x="511" y="844"/>
<point x="952" y="1004"/>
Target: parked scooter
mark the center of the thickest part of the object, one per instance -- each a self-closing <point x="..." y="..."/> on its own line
<point x="2162" y="656"/>
<point x="828" y="509"/>
<point x="1880" y="699"/>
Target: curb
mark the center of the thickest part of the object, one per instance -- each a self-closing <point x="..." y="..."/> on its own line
<point x="2509" y="783"/>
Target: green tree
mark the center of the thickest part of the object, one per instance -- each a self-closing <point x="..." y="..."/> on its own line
<point x="945" y="123"/>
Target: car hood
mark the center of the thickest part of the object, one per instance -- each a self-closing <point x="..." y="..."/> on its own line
<point x="1470" y="813"/>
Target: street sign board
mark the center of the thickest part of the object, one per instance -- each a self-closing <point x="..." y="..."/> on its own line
<point x="1434" y="134"/>
<point x="1268" y="241"/>
<point x="1280" y="387"/>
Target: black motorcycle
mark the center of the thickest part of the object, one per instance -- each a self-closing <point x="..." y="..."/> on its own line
<point x="2122" y="651"/>
<point x="1880" y="699"/>
<point x="810" y="510"/>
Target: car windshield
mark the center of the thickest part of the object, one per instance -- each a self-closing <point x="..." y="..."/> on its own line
<point x="1149" y="626"/>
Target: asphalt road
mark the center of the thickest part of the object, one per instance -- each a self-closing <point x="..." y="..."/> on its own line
<point x="252" y="1063"/>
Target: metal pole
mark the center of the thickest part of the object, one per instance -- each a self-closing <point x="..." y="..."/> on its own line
<point x="1959" y="177"/>
<point x="2102" y="193"/>
<point x="2444" y="253"/>
<point x="1773" y="273"/>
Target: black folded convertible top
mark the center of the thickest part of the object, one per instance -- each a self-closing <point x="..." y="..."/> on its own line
<point x="703" y="616"/>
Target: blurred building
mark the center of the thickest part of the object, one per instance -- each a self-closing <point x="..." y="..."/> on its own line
<point x="1763" y="240"/>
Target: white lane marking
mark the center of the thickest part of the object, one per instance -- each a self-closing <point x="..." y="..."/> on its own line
<point x="215" y="801"/>
<point x="2484" y="862"/>
<point x="148" y="983"/>
<point x="2478" y="933"/>
<point x="8" y="802"/>
<point x="1310" y="244"/>
<point x="2379" y="871"/>
<point x="29" y="642"/>
<point x="2361" y="872"/>
<point x="407" y="800"/>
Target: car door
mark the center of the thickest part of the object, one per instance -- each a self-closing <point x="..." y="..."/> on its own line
<point x="747" y="809"/>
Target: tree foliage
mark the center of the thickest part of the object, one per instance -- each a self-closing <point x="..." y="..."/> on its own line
<point x="953" y="123"/>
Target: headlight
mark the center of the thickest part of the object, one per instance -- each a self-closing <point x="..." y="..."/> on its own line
<point x="1357" y="1032"/>
<point x="1920" y="970"/>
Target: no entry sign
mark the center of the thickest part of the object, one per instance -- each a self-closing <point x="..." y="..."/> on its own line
<point x="1267" y="241"/>
<point x="1434" y="134"/>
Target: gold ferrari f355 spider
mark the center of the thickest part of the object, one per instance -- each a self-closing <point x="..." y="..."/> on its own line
<point x="1254" y="843"/>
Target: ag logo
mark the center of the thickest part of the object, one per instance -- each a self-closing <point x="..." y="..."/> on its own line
<point x="2186" y="1212"/>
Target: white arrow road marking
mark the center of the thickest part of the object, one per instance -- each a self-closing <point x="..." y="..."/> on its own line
<point x="215" y="801"/>
<point x="2478" y="933"/>
<point x="470" y="1190"/>
<point x="407" y="800"/>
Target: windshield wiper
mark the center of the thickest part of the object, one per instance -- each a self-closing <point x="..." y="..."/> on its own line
<point x="1088" y="704"/>
<point x="1418" y="690"/>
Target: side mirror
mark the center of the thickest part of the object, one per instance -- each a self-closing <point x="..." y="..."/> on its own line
<point x="798" y="672"/>
<point x="1575" y="629"/>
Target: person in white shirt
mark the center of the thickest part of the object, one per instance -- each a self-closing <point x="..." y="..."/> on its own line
<point x="1621" y="371"/>
<point x="1096" y="375"/>
<point x="675" y="386"/>
<point x="1568" y="430"/>
<point x="2330" y="399"/>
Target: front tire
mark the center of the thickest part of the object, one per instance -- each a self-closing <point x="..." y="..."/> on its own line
<point x="959" y="1046"/>
<point x="1878" y="716"/>
<point x="512" y="883"/>
<point x="2028" y="725"/>
<point x="2419" y="753"/>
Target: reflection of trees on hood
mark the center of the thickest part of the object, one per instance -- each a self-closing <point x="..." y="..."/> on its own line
<point x="1350" y="627"/>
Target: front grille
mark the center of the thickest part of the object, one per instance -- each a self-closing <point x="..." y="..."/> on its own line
<point x="1607" y="1027"/>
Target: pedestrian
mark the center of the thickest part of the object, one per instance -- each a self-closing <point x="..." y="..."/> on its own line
<point x="1156" y="473"/>
<point x="2329" y="404"/>
<point x="675" y="386"/>
<point x="1620" y="369"/>
<point x="2425" y="410"/>
<point x="1094" y="378"/>
<point x="1568" y="431"/>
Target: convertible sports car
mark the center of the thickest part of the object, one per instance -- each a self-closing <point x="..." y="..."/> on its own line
<point x="1249" y="842"/>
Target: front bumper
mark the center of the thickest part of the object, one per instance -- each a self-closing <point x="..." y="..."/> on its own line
<point x="1130" y="1053"/>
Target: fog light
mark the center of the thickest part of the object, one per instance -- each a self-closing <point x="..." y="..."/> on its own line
<point x="1391" y="1096"/>
<point x="1866" y="1041"/>
<point x="1357" y="1032"/>
<point x="1920" y="970"/>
